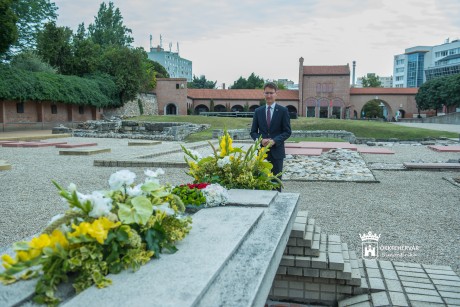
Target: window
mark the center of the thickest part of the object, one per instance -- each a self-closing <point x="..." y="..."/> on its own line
<point x="177" y="86"/>
<point x="53" y="109"/>
<point x="20" y="107"/>
<point x="318" y="87"/>
<point x="81" y="110"/>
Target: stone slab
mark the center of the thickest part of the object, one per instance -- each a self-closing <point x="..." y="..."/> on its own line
<point x="411" y="165"/>
<point x="84" y="152"/>
<point x="182" y="278"/>
<point x="250" y="198"/>
<point x="304" y="151"/>
<point x="375" y="150"/>
<point x="326" y="146"/>
<point x="75" y="145"/>
<point x="454" y="148"/>
<point x="144" y="143"/>
<point x="246" y="279"/>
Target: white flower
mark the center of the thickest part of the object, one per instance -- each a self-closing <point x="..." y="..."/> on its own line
<point x="101" y="204"/>
<point x="134" y="191"/>
<point x="119" y="179"/>
<point x="154" y="174"/>
<point x="72" y="187"/>
<point x="164" y="208"/>
<point x="224" y="161"/>
<point x="215" y="195"/>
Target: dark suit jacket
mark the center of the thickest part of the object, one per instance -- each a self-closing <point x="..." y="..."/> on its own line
<point x="280" y="128"/>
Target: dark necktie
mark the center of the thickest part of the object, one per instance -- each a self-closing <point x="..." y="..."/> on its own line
<point x="268" y="117"/>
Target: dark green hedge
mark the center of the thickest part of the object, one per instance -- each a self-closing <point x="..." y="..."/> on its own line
<point x="95" y="90"/>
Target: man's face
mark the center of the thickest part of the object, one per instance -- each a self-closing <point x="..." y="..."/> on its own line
<point x="270" y="95"/>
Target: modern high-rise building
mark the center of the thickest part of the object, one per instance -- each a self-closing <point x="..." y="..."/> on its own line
<point x="176" y="66"/>
<point x="423" y="63"/>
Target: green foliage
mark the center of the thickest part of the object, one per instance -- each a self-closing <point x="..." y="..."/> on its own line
<point x="372" y="80"/>
<point x="8" y="30"/>
<point x="141" y="106"/>
<point x="17" y="84"/>
<point x="252" y="82"/>
<point x="108" y="29"/>
<point x="54" y="47"/>
<point x="201" y="82"/>
<point x="190" y="196"/>
<point x="32" y="15"/>
<point x="30" y="61"/>
<point x="126" y="67"/>
<point x="86" y="53"/>
<point x="440" y="91"/>
<point x="372" y="109"/>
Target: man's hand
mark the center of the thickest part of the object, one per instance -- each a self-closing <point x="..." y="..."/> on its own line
<point x="266" y="142"/>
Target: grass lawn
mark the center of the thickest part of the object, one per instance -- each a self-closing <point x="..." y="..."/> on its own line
<point x="360" y="128"/>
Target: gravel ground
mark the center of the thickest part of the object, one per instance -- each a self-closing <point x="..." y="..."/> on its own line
<point x="408" y="208"/>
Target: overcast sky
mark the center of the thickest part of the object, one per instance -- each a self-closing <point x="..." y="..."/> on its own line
<point x="229" y="39"/>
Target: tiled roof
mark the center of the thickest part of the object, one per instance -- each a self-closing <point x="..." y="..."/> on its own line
<point x="239" y="94"/>
<point x="326" y="70"/>
<point x="383" y="91"/>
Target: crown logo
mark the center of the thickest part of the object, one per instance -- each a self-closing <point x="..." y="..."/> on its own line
<point x="369" y="236"/>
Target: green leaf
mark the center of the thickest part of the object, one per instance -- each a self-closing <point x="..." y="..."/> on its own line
<point x="138" y="212"/>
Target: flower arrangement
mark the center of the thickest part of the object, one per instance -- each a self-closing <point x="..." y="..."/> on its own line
<point x="233" y="168"/>
<point x="103" y="232"/>
<point x="196" y="196"/>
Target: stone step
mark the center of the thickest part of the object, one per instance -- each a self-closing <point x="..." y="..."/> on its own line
<point x="355" y="272"/>
<point x="308" y="237"/>
<point x="428" y="166"/>
<point x="84" y="152"/>
<point x="75" y="145"/>
<point x="138" y="143"/>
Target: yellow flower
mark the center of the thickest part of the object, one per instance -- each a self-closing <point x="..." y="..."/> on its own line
<point x="108" y="224"/>
<point x="41" y="242"/>
<point x="57" y="237"/>
<point x="81" y="229"/>
<point x="97" y="230"/>
<point x="8" y="261"/>
<point x="23" y="256"/>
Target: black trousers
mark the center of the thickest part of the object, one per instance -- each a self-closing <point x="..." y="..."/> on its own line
<point x="277" y="166"/>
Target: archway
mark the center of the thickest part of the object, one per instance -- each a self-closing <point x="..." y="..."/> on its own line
<point x="292" y="109"/>
<point x="311" y="107"/>
<point x="220" y="108"/>
<point x="253" y="108"/>
<point x="377" y="108"/>
<point x="170" y="109"/>
<point x="237" y="108"/>
<point x="201" y="108"/>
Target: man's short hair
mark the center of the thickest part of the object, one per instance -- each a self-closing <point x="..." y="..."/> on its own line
<point x="271" y="85"/>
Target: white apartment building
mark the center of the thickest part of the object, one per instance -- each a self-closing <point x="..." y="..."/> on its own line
<point x="176" y="66"/>
<point x="423" y="63"/>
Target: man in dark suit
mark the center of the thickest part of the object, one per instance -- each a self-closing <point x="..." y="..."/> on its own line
<point x="272" y="122"/>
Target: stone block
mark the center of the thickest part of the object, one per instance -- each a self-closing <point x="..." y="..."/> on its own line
<point x="84" y="152"/>
<point x="250" y="198"/>
<point x="310" y="272"/>
<point x="393" y="285"/>
<point x="327" y="274"/>
<point x="415" y="279"/>
<point x="280" y="292"/>
<point x="319" y="262"/>
<point x="354" y="300"/>
<point x="327" y="296"/>
<point x="446" y="282"/>
<point x="440" y="272"/>
<point x="311" y="287"/>
<point x="371" y="263"/>
<point x="303" y="262"/>
<point x="297" y="285"/>
<point x="445" y="277"/>
<point x="328" y="288"/>
<point x="297" y="251"/>
<point x="452" y="301"/>
<point x="297" y="230"/>
<point x="397" y="299"/>
<point x="390" y="274"/>
<point x="421" y="291"/>
<point x="294" y="271"/>
<point x="406" y="264"/>
<point x="411" y="274"/>
<point x="296" y="294"/>
<point x="450" y="294"/>
<point x="344" y="289"/>
<point x="287" y="260"/>
<point x="385" y="265"/>
<point x="373" y="273"/>
<point x="380" y="299"/>
<point x="376" y="284"/>
<point x="280" y="283"/>
<point x="418" y="285"/>
<point x="424" y="298"/>
<point x="311" y="295"/>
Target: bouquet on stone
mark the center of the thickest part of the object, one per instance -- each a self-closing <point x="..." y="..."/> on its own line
<point x="233" y="168"/>
<point x="201" y="195"/>
<point x="103" y="232"/>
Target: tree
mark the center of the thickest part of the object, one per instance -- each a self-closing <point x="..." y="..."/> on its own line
<point x="108" y="28"/>
<point x="252" y="82"/>
<point x="201" y="82"/>
<point x="32" y="16"/>
<point x="86" y="53"/>
<point x="436" y="93"/>
<point x="372" y="80"/>
<point x="30" y="61"/>
<point x="55" y="47"/>
<point x="372" y="109"/>
<point x="8" y="30"/>
<point x="127" y="67"/>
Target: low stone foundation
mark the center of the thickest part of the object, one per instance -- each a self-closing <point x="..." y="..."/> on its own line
<point x="165" y="131"/>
